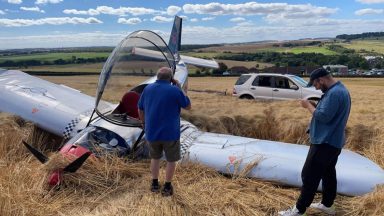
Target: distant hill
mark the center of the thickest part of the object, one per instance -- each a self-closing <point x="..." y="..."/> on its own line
<point x="360" y="36"/>
<point x="29" y="51"/>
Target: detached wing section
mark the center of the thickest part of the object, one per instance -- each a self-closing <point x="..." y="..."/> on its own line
<point x="52" y="107"/>
<point x="186" y="59"/>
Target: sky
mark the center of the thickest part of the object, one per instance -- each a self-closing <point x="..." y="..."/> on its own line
<point x="79" y="23"/>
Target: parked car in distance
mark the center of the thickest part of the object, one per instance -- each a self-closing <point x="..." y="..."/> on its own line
<point x="274" y="86"/>
<point x="377" y="71"/>
<point x="226" y="73"/>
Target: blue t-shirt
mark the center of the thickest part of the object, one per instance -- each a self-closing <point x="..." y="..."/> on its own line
<point x="162" y="103"/>
<point x="330" y="117"/>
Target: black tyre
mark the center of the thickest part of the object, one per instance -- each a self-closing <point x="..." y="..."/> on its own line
<point x="314" y="99"/>
<point x="248" y="97"/>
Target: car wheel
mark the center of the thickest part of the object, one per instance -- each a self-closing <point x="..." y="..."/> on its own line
<point x="314" y="99"/>
<point x="248" y="97"/>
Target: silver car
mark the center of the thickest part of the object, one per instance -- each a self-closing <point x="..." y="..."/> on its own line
<point x="274" y="86"/>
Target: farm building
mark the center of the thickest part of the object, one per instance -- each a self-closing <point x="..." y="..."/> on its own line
<point x="338" y="69"/>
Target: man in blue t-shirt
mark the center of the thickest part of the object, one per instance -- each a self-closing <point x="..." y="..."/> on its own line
<point x="327" y="135"/>
<point x="159" y="109"/>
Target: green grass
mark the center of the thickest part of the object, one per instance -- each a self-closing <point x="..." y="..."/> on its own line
<point x="54" y="56"/>
<point x="93" y="68"/>
<point x="295" y="50"/>
<point x="304" y="49"/>
<point x="202" y="54"/>
<point x="363" y="46"/>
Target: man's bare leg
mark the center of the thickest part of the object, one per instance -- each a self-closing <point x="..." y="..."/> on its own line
<point x="155" y="168"/>
<point x="169" y="171"/>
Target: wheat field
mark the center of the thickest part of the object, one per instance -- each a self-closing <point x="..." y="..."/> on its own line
<point x="113" y="186"/>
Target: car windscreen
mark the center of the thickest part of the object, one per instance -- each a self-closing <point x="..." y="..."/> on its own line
<point x="242" y="79"/>
<point x="299" y="81"/>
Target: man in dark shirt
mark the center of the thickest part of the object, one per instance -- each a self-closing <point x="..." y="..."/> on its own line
<point x="327" y="135"/>
<point x="159" y="109"/>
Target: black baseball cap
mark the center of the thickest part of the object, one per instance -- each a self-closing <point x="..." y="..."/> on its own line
<point x="317" y="73"/>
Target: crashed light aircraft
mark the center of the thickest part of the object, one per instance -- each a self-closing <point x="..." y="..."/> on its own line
<point x="91" y="123"/>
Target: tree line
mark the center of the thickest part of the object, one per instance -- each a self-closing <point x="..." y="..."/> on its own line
<point x="60" y="61"/>
<point x="352" y="60"/>
<point x="360" y="36"/>
<point x="349" y="58"/>
<point x="30" y="51"/>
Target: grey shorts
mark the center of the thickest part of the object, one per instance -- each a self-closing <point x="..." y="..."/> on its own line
<point x="170" y="148"/>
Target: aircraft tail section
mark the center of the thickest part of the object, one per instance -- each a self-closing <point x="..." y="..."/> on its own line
<point x="175" y="38"/>
<point x="174" y="45"/>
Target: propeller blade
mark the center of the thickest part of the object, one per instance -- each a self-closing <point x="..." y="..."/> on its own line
<point x="138" y="140"/>
<point x="40" y="156"/>
<point x="76" y="164"/>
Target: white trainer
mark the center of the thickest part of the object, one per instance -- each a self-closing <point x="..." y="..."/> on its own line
<point x="291" y="212"/>
<point x="328" y="210"/>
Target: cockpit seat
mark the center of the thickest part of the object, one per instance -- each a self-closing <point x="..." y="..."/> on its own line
<point x="128" y="104"/>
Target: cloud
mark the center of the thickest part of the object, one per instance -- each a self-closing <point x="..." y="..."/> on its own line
<point x="313" y="28"/>
<point x="183" y="17"/>
<point x="130" y="21"/>
<point x="254" y="8"/>
<point x="35" y="9"/>
<point x="173" y="10"/>
<point x="48" y="21"/>
<point x="194" y="20"/>
<point x="121" y="11"/>
<point x="245" y="24"/>
<point x="368" y="11"/>
<point x="237" y="19"/>
<point x="208" y="18"/>
<point x="15" y="1"/>
<point x="252" y="32"/>
<point x="2" y="12"/>
<point x="77" y="12"/>
<point x="370" y="1"/>
<point x="161" y="19"/>
<point x="298" y="16"/>
<point x="48" y="1"/>
<point x="62" y="39"/>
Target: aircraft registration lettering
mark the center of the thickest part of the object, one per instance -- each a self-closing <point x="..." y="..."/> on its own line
<point x="33" y="91"/>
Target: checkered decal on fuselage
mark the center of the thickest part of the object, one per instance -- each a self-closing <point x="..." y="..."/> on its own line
<point x="68" y="130"/>
<point x="188" y="134"/>
<point x="72" y="125"/>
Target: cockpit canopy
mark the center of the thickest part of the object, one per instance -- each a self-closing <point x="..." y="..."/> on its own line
<point x="141" y="53"/>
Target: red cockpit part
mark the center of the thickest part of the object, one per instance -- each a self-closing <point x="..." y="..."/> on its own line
<point x="128" y="104"/>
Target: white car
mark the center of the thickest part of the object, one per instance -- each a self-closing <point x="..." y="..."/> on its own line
<point x="274" y="86"/>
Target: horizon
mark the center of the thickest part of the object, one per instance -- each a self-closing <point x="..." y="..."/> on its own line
<point x="112" y="46"/>
<point x="68" y="23"/>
